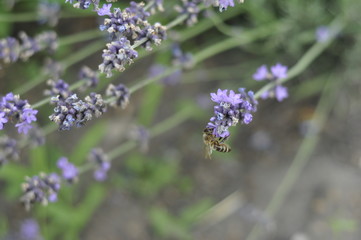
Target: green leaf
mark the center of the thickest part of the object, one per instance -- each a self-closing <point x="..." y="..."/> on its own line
<point x="90" y="139"/>
<point x="38" y="159"/>
<point x="151" y="99"/>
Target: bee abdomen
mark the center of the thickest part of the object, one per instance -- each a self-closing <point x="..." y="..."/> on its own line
<point x="223" y="148"/>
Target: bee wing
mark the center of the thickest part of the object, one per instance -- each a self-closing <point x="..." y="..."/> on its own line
<point x="207" y="151"/>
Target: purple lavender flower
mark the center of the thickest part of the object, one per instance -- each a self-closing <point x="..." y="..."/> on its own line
<point x="83" y="4"/>
<point x="323" y="34"/>
<point x="117" y="55"/>
<point x="101" y="173"/>
<point x="8" y="150"/>
<point x="11" y="49"/>
<point x="52" y="68"/>
<point x="130" y="22"/>
<point x="3" y="120"/>
<point x="231" y="108"/>
<point x="48" y="12"/>
<point x="42" y="189"/>
<point x="185" y="60"/>
<point x="120" y="95"/>
<point x="224" y="4"/>
<point x="36" y="137"/>
<point x="279" y="71"/>
<point x="89" y="77"/>
<point x="281" y="93"/>
<point x="73" y="112"/>
<point x="69" y="171"/>
<point x="29" y="230"/>
<point x="105" y="10"/>
<point x="58" y="88"/>
<point x="190" y="9"/>
<point x="12" y="107"/>
<point x="261" y="73"/>
<point x="23" y="127"/>
<point x="29" y="115"/>
<point x="155" y="5"/>
<point x="102" y="163"/>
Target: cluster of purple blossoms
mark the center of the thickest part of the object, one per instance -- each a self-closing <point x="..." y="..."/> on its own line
<point x="83" y="4"/>
<point x="8" y="150"/>
<point x="48" y="12"/>
<point x="117" y="55"/>
<point x="222" y="4"/>
<point x="52" y="68"/>
<point x="69" y="171"/>
<point x="89" y="77"/>
<point x="11" y="49"/>
<point x="127" y="23"/>
<point x="29" y="230"/>
<point x="17" y="110"/>
<point x="232" y="108"/>
<point x="71" y="112"/>
<point x="278" y="71"/>
<point x="125" y="28"/>
<point x="120" y="95"/>
<point x="155" y="5"/>
<point x="43" y="189"/>
<point x="189" y="8"/>
<point x="58" y="88"/>
<point x="100" y="159"/>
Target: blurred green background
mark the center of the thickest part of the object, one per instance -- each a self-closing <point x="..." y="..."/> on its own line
<point x="170" y="191"/>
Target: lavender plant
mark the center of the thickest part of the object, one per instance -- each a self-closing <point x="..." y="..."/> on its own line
<point x="77" y="94"/>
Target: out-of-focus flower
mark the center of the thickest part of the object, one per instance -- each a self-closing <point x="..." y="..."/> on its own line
<point x="69" y="171"/>
<point x="58" y="88"/>
<point x="18" y="110"/>
<point x="89" y="77"/>
<point x="42" y="189"/>
<point x="323" y="34"/>
<point x="278" y="71"/>
<point x="105" y="10"/>
<point x="8" y="150"/>
<point x="189" y="8"/>
<point x="29" y="230"/>
<point x="100" y="159"/>
<point x="48" y="12"/>
<point x="120" y="95"/>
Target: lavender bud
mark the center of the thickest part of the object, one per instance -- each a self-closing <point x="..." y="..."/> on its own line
<point x="117" y="55"/>
<point x="120" y="93"/>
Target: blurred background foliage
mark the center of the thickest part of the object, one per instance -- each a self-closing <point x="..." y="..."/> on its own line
<point x="164" y="192"/>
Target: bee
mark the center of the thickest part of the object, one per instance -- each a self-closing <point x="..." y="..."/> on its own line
<point x="214" y="143"/>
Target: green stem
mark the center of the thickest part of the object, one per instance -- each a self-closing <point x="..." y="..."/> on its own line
<point x="28" y="17"/>
<point x="79" y="37"/>
<point x="72" y="59"/>
<point x="83" y="53"/>
<point x="155" y="131"/>
<point x="306" y="59"/>
<point x="304" y="152"/>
